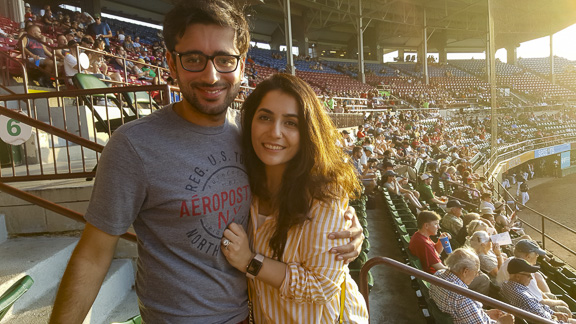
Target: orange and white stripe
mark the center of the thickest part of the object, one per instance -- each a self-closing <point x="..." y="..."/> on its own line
<point x="310" y="292"/>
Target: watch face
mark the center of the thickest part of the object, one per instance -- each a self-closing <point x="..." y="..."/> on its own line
<point x="254" y="267"/>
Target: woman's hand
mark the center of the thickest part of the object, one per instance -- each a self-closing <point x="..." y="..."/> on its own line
<point x="236" y="248"/>
<point x="496" y="249"/>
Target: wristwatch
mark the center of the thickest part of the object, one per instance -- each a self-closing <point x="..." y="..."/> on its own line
<point x="254" y="266"/>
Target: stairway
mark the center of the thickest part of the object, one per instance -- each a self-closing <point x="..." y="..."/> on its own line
<point x="39" y="243"/>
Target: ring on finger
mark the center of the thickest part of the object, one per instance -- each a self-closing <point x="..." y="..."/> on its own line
<point x="225" y="242"/>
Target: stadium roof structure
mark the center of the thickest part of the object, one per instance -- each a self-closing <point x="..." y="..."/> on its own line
<point x="455" y="25"/>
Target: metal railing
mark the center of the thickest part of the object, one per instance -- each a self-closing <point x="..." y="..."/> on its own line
<point x="69" y="129"/>
<point x="508" y="151"/>
<point x="503" y="192"/>
<point x="408" y="270"/>
<point x="10" y="62"/>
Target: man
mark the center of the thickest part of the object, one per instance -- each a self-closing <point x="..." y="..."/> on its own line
<point x="36" y="52"/>
<point x="425" y="190"/>
<point x="486" y="201"/>
<point x="463" y="266"/>
<point x="137" y="45"/>
<point x="524" y="192"/>
<point x="452" y="221"/>
<point x="423" y="247"/>
<point x="100" y="29"/>
<point x="177" y="176"/>
<point x="517" y="293"/>
<point x="529" y="250"/>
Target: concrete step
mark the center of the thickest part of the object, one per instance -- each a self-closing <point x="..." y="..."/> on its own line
<point x="115" y="297"/>
<point x="45" y="259"/>
<point x="128" y="308"/>
<point x="118" y="284"/>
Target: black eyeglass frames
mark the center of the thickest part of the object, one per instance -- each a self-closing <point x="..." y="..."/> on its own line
<point x="196" y="62"/>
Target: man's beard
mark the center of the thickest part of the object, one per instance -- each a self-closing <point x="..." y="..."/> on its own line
<point x="192" y="98"/>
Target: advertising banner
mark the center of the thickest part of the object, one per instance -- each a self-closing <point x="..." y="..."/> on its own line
<point x="551" y="150"/>
<point x="565" y="160"/>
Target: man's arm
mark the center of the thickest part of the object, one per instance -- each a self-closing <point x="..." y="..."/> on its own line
<point x="84" y="275"/>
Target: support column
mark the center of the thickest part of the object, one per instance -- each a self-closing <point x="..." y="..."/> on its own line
<point x="361" y="74"/>
<point x="401" y="55"/>
<point x="288" y="32"/>
<point x="442" y="56"/>
<point x="552" y="73"/>
<point x="491" y="56"/>
<point x="425" y="54"/>
<point x="512" y="54"/>
<point x="380" y="54"/>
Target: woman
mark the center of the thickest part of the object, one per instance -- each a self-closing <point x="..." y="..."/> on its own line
<point x="490" y="255"/>
<point x="391" y="183"/>
<point x="297" y="176"/>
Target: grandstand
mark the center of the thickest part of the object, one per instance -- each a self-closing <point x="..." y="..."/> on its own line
<point x="71" y="118"/>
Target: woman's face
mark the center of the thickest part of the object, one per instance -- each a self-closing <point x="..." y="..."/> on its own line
<point x="275" y="132"/>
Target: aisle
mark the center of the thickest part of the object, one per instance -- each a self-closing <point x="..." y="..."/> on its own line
<point x="392" y="299"/>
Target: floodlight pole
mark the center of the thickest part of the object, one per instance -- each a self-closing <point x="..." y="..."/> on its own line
<point x="552" y="72"/>
<point x="288" y="33"/>
<point x="425" y="58"/>
<point x="490" y="54"/>
<point x="361" y="74"/>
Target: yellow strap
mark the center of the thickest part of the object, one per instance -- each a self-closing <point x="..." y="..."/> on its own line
<point x="342" y="301"/>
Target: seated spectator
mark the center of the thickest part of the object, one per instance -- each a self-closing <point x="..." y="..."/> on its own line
<point x="490" y="255"/>
<point x="71" y="65"/>
<point x="452" y="221"/>
<point x="365" y="172"/>
<point x="37" y="53"/>
<point x="487" y="215"/>
<point x="120" y="36"/>
<point x="146" y="72"/>
<point x="61" y="42"/>
<point x="360" y="134"/>
<point x="462" y="267"/>
<point x="518" y="294"/>
<point x="137" y="45"/>
<point x="486" y="201"/>
<point x="462" y="234"/>
<point x="29" y="16"/>
<point x="530" y="251"/>
<point x="394" y="188"/>
<point x="348" y="142"/>
<point x="48" y="19"/>
<point x="128" y="44"/>
<point x="423" y="247"/>
<point x="426" y="193"/>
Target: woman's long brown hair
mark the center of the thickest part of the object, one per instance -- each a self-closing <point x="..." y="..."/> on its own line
<point x="318" y="171"/>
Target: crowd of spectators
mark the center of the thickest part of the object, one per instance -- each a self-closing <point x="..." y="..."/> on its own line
<point x="44" y="31"/>
<point x="421" y="156"/>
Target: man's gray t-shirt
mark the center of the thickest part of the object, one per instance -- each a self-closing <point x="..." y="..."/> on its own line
<point x="180" y="184"/>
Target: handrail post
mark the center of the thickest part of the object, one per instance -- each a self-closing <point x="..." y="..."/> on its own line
<point x="543" y="232"/>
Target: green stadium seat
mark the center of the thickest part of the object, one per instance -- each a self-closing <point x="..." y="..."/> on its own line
<point x="134" y="320"/>
<point x="10" y="296"/>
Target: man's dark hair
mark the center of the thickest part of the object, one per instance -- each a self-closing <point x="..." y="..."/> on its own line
<point x="210" y="12"/>
<point x="426" y="217"/>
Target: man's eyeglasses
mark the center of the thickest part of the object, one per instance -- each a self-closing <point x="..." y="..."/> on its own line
<point x="196" y="62"/>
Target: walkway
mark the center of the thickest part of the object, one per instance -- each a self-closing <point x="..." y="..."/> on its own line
<point x="392" y="299"/>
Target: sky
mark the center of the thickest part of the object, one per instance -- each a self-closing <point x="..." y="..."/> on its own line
<point x="564" y="46"/>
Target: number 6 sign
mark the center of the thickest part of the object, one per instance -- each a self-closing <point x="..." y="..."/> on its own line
<point x="14" y="132"/>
